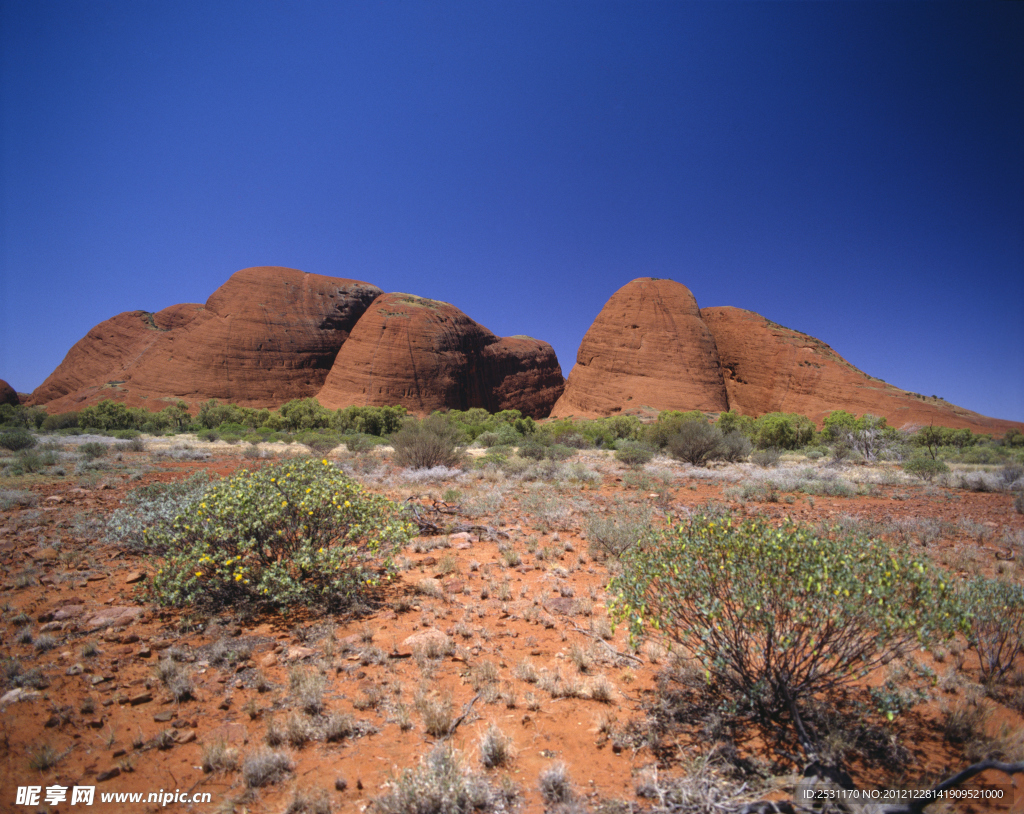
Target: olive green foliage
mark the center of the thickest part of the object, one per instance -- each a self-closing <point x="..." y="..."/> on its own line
<point x="735" y="446"/>
<point x="300" y="532"/>
<point x="16" y="439"/>
<point x="378" y="421"/>
<point x="696" y="442"/>
<point x="731" y="421"/>
<point x="107" y="415"/>
<point x="868" y="435"/>
<point x="60" y="421"/>
<point x="668" y="424"/>
<point x="434" y="441"/>
<point x="476" y="421"/>
<point x="633" y="453"/>
<point x="779" y="614"/>
<point x="93" y="449"/>
<point x="924" y="468"/>
<point x="20" y="415"/>
<point x="995" y="615"/>
<point x="782" y="431"/>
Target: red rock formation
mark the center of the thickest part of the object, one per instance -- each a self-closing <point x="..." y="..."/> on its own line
<point x="97" y="364"/>
<point x="769" y="368"/>
<point x="8" y="395"/>
<point x="428" y="355"/>
<point x="266" y="336"/>
<point x="648" y="347"/>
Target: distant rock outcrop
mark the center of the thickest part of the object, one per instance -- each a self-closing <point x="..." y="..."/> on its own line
<point x="769" y="368"/>
<point x="428" y="355"/>
<point x="8" y="395"/>
<point x="267" y="335"/>
<point x="648" y="347"/>
<point x="651" y="348"/>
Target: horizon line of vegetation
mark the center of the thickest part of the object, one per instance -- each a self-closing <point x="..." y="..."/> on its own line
<point x="729" y="436"/>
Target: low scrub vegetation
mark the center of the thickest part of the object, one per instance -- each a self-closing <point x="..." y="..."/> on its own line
<point x="775" y="616"/>
<point x="294" y="533"/>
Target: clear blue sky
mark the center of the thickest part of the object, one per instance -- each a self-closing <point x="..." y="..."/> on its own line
<point x="851" y="170"/>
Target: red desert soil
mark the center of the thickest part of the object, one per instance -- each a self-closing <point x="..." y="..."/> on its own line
<point x="100" y="706"/>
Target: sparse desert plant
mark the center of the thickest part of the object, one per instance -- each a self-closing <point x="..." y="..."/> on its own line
<point x="441" y="785"/>
<point x="307" y="686"/>
<point x="339" y="727"/>
<point x="299" y="532"/>
<point x="265" y="766"/>
<point x="309" y="803"/>
<point x="176" y="677"/>
<point x="619" y="531"/>
<point x="298" y="730"/>
<point x="43" y="758"/>
<point x="92" y="450"/>
<point x="555" y="785"/>
<point x="600" y="688"/>
<point x="437" y="714"/>
<point x="526" y="671"/>
<point x="994" y="610"/>
<point x="218" y="757"/>
<point x="925" y="468"/>
<point x="151" y="507"/>
<point x="964" y="721"/>
<point x="15" y="497"/>
<point x="495" y="748"/>
<point x="778" y="615"/>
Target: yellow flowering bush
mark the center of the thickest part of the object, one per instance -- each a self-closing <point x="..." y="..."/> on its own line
<point x="776" y="615"/>
<point x="300" y="532"/>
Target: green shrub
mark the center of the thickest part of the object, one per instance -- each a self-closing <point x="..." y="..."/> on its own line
<point x="92" y="449"/>
<point x="107" y="415"/>
<point x="434" y="441"/>
<point x="17" y="439"/>
<point x="61" y="421"/>
<point x="668" y="425"/>
<point x="766" y="458"/>
<point x="925" y="468"/>
<point x="695" y="442"/>
<point x="775" y="615"/>
<point x="31" y="461"/>
<point x="995" y="614"/>
<point x="735" y="446"/>
<point x="633" y="453"/>
<point x="299" y="532"/>
<point x="533" y="449"/>
<point x="376" y="421"/>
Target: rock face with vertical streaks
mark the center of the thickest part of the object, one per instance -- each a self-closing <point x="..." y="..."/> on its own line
<point x="269" y="334"/>
<point x="428" y="355"/>
<point x="769" y="368"/>
<point x="648" y="347"/>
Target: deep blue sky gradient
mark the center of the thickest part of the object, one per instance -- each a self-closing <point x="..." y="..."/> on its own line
<point x="851" y="170"/>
